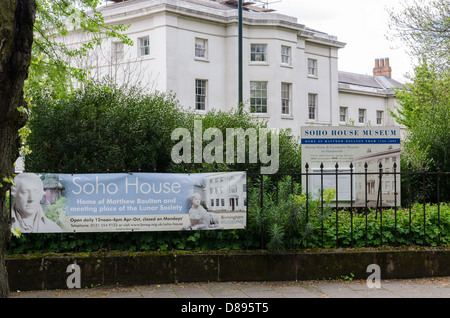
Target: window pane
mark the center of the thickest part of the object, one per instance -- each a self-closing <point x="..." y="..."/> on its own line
<point x="258" y="97"/>
<point x="117" y="51"/>
<point x="285" y="54"/>
<point x="285" y="98"/>
<point x="379" y="117"/>
<point x="312" y="106"/>
<point x="258" y="52"/>
<point x="312" y="67"/>
<point x="200" y="48"/>
<point x="343" y="114"/>
<point x="362" y="116"/>
<point x="144" y="46"/>
<point x="200" y="94"/>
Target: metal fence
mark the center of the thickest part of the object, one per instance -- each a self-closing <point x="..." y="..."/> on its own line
<point x="387" y="200"/>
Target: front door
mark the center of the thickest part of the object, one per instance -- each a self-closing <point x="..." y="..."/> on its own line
<point x="232" y="204"/>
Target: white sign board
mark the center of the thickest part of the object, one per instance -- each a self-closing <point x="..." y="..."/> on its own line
<point x="356" y="146"/>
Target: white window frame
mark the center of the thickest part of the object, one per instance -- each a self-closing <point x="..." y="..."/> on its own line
<point x="343" y="111"/>
<point x="312" y="67"/>
<point x="258" y="97"/>
<point x="380" y="117"/>
<point x="201" y="48"/>
<point x="118" y="51"/>
<point x="144" y="48"/>
<point x="362" y="115"/>
<point x="285" y="55"/>
<point x="312" y="106"/>
<point x="201" y="94"/>
<point x="258" y="52"/>
<point x="286" y="99"/>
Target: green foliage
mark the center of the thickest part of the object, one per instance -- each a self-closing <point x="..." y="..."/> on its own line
<point x="289" y="147"/>
<point x="277" y="216"/>
<point x="429" y="90"/>
<point x="101" y="126"/>
<point x="424" y="108"/>
<point x="284" y="221"/>
<point x="281" y="222"/>
<point x="424" y="105"/>
<point x="423" y="26"/>
<point x="57" y="210"/>
<point x="388" y="228"/>
<point x="105" y="126"/>
<point x="52" y="69"/>
<point x="129" y="241"/>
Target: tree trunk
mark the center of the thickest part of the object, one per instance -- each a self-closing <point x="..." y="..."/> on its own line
<point x="16" y="38"/>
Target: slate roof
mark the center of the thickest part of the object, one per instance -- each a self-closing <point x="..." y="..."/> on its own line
<point x="205" y="3"/>
<point x="367" y="83"/>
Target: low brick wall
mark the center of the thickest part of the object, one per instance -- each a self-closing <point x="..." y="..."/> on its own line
<point x="48" y="271"/>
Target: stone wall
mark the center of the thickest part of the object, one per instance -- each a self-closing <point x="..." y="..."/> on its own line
<point x="48" y="271"/>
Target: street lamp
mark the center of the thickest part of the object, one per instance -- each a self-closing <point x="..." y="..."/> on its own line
<point x="240" y="9"/>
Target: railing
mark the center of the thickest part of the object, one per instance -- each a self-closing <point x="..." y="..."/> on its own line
<point x="384" y="216"/>
<point x="374" y="205"/>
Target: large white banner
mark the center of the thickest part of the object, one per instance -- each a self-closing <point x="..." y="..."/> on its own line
<point x="44" y="203"/>
<point x="345" y="145"/>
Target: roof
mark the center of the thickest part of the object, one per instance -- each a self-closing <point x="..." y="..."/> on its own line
<point x="216" y="4"/>
<point x="367" y="83"/>
<point x="220" y="5"/>
<point x="219" y="11"/>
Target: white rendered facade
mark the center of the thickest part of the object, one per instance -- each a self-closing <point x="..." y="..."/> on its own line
<point x="226" y="192"/>
<point x="190" y="48"/>
<point x="366" y="100"/>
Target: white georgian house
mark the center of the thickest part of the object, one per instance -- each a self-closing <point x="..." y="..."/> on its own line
<point x="190" y="48"/>
<point x="226" y="192"/>
<point x="367" y="99"/>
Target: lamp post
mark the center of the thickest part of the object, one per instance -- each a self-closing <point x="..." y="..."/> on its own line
<point x="240" y="9"/>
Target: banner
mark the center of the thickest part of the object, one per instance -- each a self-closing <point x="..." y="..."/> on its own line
<point x="49" y="203"/>
<point x="358" y="146"/>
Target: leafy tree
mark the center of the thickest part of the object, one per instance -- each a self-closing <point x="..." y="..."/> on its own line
<point x="240" y="122"/>
<point x="16" y="29"/>
<point x="424" y="26"/>
<point x="19" y="21"/>
<point x="51" y="68"/>
<point x="102" y="126"/>
<point x="428" y="89"/>
<point x="424" y="108"/>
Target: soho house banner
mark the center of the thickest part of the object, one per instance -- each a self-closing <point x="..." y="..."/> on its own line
<point x="46" y="203"/>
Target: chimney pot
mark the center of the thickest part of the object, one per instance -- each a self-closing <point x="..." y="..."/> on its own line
<point x="382" y="67"/>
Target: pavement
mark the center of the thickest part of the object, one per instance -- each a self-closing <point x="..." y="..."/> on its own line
<point x="438" y="287"/>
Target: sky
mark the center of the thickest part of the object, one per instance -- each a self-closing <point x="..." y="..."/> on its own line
<point x="361" y="24"/>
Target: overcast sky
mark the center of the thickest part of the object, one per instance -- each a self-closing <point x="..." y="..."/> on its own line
<point x="361" y="24"/>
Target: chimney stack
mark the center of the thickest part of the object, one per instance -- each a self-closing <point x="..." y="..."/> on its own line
<point x="382" y="67"/>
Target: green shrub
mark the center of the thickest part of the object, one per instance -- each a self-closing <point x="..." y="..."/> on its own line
<point x="388" y="227"/>
<point x="100" y="127"/>
<point x="424" y="108"/>
<point x="104" y="127"/>
<point x="280" y="219"/>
